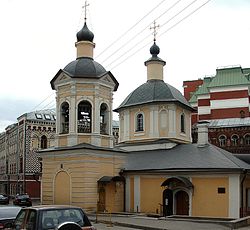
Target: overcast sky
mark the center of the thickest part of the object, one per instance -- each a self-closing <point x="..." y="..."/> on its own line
<point x="38" y="38"/>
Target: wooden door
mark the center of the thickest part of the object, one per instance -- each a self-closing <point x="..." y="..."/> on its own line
<point x="102" y="195"/>
<point x="182" y="203"/>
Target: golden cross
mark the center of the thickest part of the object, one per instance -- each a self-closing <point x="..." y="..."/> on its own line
<point x="155" y="27"/>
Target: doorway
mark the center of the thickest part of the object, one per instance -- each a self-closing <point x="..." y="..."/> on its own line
<point x="167" y="202"/>
<point x="182" y="203"/>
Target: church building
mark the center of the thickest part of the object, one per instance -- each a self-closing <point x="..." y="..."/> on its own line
<point x="154" y="168"/>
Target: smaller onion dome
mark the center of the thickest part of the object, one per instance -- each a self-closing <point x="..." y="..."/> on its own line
<point x="85" y="34"/>
<point x="154" y="50"/>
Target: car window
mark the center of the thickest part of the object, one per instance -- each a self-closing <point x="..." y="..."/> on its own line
<point x="19" y="219"/>
<point x="31" y="220"/>
<point x="52" y="218"/>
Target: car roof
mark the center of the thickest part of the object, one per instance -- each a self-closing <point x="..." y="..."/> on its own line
<point x="9" y="211"/>
<point x="47" y="207"/>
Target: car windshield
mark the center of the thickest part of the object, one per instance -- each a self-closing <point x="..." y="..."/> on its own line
<point x="10" y="212"/>
<point x="25" y="196"/>
<point x="52" y="218"/>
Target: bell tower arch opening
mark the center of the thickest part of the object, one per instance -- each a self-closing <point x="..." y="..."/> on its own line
<point x="84" y="117"/>
<point x="64" y="117"/>
<point x="104" y="119"/>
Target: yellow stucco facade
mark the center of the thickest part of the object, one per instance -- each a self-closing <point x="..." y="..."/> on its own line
<point x="71" y="178"/>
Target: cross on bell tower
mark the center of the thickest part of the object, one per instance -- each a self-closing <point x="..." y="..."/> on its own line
<point x="154" y="27"/>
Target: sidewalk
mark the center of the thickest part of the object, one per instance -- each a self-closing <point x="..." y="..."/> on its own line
<point x="149" y="223"/>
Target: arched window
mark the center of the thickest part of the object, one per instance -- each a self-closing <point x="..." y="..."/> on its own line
<point x="65" y="117"/>
<point x="139" y="122"/>
<point x="222" y="140"/>
<point x="183" y="123"/>
<point x="242" y="114"/>
<point x="235" y="140"/>
<point x="44" y="142"/>
<point x="247" y="139"/>
<point x="104" y="119"/>
<point x="84" y="117"/>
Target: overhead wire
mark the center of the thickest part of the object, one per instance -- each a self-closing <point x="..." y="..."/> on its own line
<point x="144" y="37"/>
<point x="121" y="36"/>
<point x="134" y="36"/>
<point x="192" y="12"/>
<point x="112" y="42"/>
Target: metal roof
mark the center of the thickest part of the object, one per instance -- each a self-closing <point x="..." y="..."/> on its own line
<point x="41" y="115"/>
<point x="230" y="122"/>
<point x="185" y="157"/>
<point x="229" y="77"/>
<point x="84" y="67"/>
<point x="154" y="91"/>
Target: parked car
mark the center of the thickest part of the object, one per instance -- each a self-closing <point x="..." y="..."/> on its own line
<point x="44" y="217"/>
<point x="8" y="215"/>
<point x="4" y="199"/>
<point x="22" y="200"/>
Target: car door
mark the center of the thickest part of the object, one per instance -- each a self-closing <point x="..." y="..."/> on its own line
<point x="30" y="223"/>
<point x="20" y="219"/>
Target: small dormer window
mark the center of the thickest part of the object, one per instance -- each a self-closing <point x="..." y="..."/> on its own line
<point x="47" y="117"/>
<point x="39" y="116"/>
<point x="139" y="122"/>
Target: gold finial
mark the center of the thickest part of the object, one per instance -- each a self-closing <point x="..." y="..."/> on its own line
<point x="154" y="27"/>
<point x="85" y="10"/>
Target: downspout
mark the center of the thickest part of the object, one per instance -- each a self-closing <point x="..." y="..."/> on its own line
<point x="242" y="191"/>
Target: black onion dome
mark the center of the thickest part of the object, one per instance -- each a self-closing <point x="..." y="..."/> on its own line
<point x="85" y="34"/>
<point x="154" y="50"/>
<point x="154" y="91"/>
<point x="84" y="67"/>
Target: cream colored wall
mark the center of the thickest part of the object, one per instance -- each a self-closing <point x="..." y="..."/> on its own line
<point x="84" y="169"/>
<point x="154" y="71"/>
<point x="150" y="130"/>
<point x="206" y="201"/>
<point x="187" y="135"/>
<point x="62" y="140"/>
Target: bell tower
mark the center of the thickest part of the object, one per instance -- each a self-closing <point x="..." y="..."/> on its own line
<point x="84" y="98"/>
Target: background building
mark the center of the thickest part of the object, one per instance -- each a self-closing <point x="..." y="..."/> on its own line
<point x="20" y="165"/>
<point x="223" y="100"/>
<point x="20" y="168"/>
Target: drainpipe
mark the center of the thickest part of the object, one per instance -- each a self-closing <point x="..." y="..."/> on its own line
<point x="242" y="190"/>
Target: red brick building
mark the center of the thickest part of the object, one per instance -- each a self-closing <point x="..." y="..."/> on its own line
<point x="223" y="100"/>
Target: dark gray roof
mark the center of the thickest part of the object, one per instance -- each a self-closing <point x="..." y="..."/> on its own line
<point x="244" y="157"/>
<point x="84" y="67"/>
<point x="85" y="34"/>
<point x="83" y="146"/>
<point x="154" y="91"/>
<point x="185" y="157"/>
